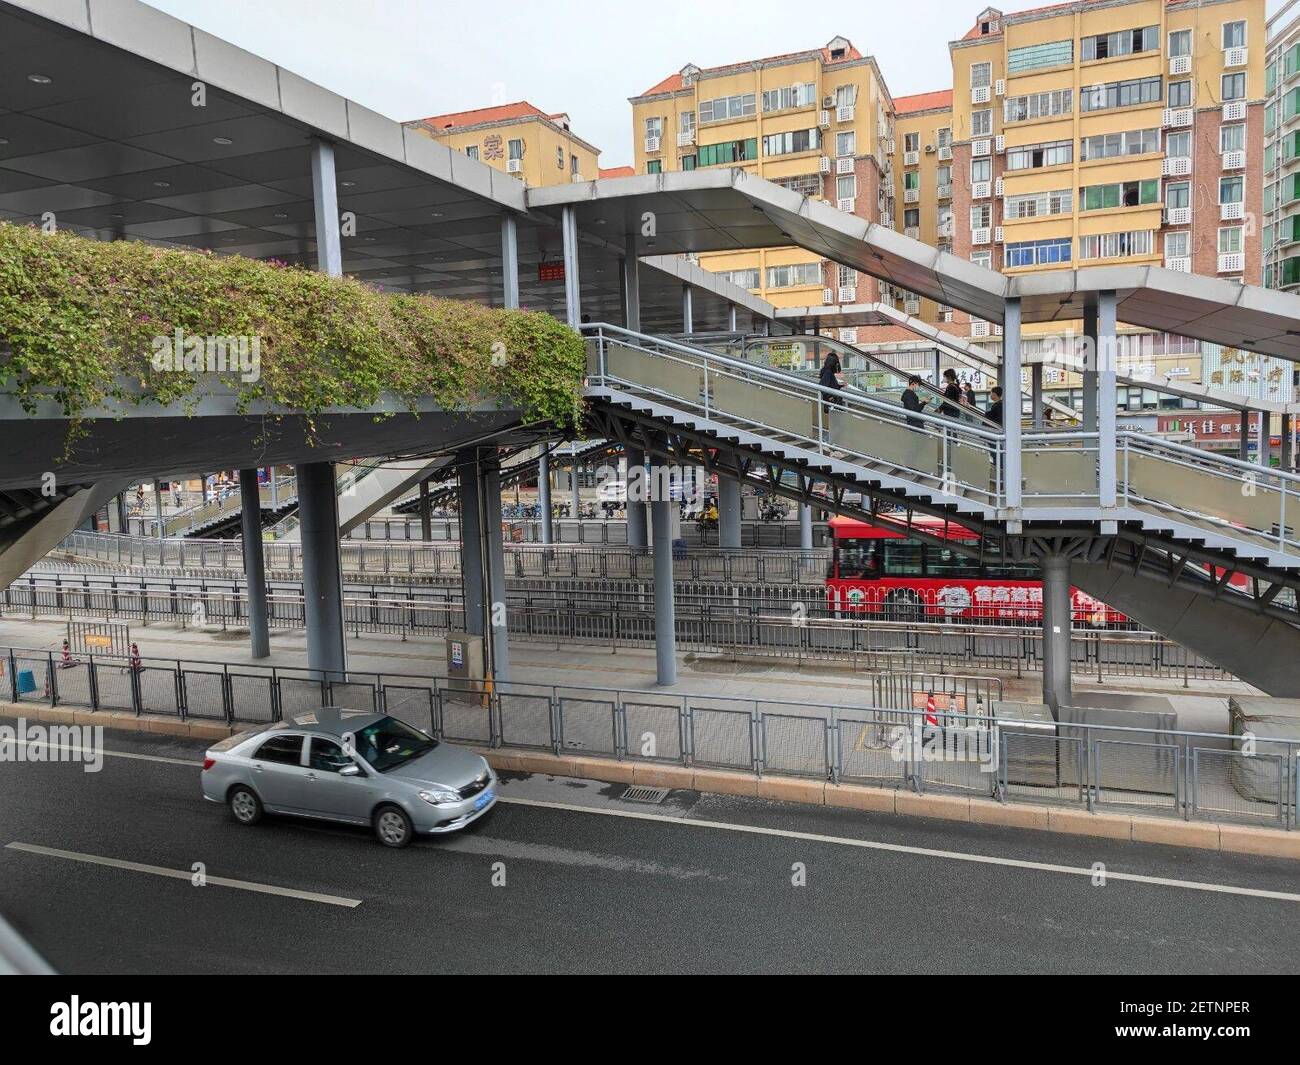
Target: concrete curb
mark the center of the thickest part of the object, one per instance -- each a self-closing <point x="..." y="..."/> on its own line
<point x="1202" y="835"/>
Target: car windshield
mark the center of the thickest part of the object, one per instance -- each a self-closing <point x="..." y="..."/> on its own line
<point x="389" y="743"/>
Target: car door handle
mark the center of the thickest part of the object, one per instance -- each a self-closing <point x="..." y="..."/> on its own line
<point x="257" y="769"/>
<point x="311" y="776"/>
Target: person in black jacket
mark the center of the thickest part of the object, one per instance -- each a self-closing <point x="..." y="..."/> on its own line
<point x="912" y="401"/>
<point x="995" y="408"/>
<point x="951" y="393"/>
<point x="830" y="373"/>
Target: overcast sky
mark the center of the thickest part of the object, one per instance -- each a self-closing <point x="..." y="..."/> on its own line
<point x="411" y="58"/>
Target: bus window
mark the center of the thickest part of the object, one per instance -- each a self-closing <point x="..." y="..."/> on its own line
<point x="858" y="558"/>
<point x="902" y="558"/>
<point x="942" y="562"/>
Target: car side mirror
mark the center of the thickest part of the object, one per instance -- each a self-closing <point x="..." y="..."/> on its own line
<point x="351" y="771"/>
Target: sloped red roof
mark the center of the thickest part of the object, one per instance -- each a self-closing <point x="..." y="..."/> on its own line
<point x="924" y="101"/>
<point x="519" y="109"/>
<point x="974" y="32"/>
<point x="617" y="171"/>
<point x="674" y="81"/>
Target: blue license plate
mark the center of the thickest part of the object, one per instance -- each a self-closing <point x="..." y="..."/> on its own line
<point x="483" y="799"/>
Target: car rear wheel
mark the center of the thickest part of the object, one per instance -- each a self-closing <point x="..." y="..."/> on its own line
<point x="245" y="806"/>
<point x="392" y="826"/>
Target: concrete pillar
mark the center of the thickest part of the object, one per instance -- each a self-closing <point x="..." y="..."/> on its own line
<point x="497" y="620"/>
<point x="731" y="318"/>
<point x="544" y="496"/>
<point x="509" y="262"/>
<point x="1036" y="395"/>
<point x="728" y="511"/>
<point x="1243" y="440"/>
<point x="631" y="286"/>
<point x="665" y="607"/>
<point x="805" y="527"/>
<point x="158" y="510"/>
<point x="572" y="289"/>
<point x="1057" y="617"/>
<point x="575" y="489"/>
<point x="636" y="523"/>
<point x="329" y="245"/>
<point x="426" y="513"/>
<point x="1090" y="367"/>
<point x="119" y="508"/>
<point x="1288" y="443"/>
<point x="468" y="496"/>
<point x="1107" y="397"/>
<point x="1011" y="400"/>
<point x="322" y="571"/>
<point x="250" y="520"/>
<point x="688" y="310"/>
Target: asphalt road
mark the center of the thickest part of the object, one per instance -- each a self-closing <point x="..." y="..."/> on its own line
<point x="597" y="884"/>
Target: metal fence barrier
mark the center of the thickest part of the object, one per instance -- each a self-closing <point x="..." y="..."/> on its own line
<point x="1203" y="776"/>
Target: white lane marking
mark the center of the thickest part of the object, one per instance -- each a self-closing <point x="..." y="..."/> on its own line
<point x="115" y="754"/>
<point x="901" y="848"/>
<point x="866" y="844"/>
<point x="184" y="874"/>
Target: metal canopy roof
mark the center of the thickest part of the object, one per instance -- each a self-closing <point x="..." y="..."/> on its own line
<point x="114" y="146"/>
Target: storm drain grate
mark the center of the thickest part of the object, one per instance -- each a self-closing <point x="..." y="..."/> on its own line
<point x="641" y="793"/>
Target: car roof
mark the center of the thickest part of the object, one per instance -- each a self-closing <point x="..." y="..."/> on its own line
<point x="334" y="720"/>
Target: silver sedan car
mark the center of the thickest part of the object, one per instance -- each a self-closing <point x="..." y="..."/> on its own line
<point x="352" y="766"/>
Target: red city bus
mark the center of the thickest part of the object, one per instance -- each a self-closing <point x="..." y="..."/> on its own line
<point x="879" y="570"/>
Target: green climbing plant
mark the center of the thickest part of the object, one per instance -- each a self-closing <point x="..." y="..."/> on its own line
<point x="80" y="322"/>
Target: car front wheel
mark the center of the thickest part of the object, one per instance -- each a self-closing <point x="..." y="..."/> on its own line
<point x="393" y="827"/>
<point x="245" y="806"/>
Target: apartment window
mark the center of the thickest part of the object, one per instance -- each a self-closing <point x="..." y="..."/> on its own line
<point x="944" y="216"/>
<point x="943" y="176"/>
<point x="654" y="166"/>
<point x="912" y="217"/>
<point x="1178" y="245"/>
<point x="1037" y="56"/>
<point x="1232" y="138"/>
<point x="846" y="143"/>
<point x="794" y="274"/>
<point x="725" y="107"/>
<point x="981" y="75"/>
<point x="515" y="149"/>
<point x="573" y="164"/>
<point x="912" y="179"/>
<point x="981" y="216"/>
<point x="1180" y="94"/>
<point x="1234" y="35"/>
<point x="1116" y="245"/>
<point x="912" y="142"/>
<point x="1230" y="240"/>
<point x="728" y="152"/>
<point x="1119" y="194"/>
<point x="1034" y="156"/>
<point x="981" y="123"/>
<point x="798" y="140"/>
<point x="1038" y="204"/>
<point x="741" y="278"/>
<point x="846" y="95"/>
<point x="1038" y="105"/>
<point x="686" y="122"/>
<point x="1178" y="194"/>
<point x="1039" y="252"/>
<point x="1110" y="145"/>
<point x="1121" y="94"/>
<point x="1234" y="86"/>
<point x="804" y="184"/>
<point x="945" y="138"/>
<point x="1231" y="189"/>
<point x="688" y="162"/>
<point x="794" y="96"/>
<point x="981" y="169"/>
<point x="654" y="127"/>
<point x="1126" y="42"/>
<point x="846" y="187"/>
<point x="1180" y="43"/>
<point x="982" y="258"/>
<point x="1179" y="145"/>
<point x="471" y="150"/>
<point x="559" y="158"/>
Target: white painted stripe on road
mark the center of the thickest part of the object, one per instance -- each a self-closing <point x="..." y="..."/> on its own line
<point x="184" y="874"/>
<point x="902" y="848"/>
<point x="88" y="752"/>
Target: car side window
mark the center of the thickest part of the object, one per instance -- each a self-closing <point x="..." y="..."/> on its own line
<point x="328" y="756"/>
<point x="287" y="750"/>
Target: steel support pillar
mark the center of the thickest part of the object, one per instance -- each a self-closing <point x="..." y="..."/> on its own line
<point x="636" y="517"/>
<point x="1107" y="398"/>
<point x="1011" y="401"/>
<point x="544" y="496"/>
<point x="469" y="497"/>
<point x="250" y="520"/>
<point x="572" y="289"/>
<point x="1243" y="439"/>
<point x="329" y="243"/>
<point x="1057" y="617"/>
<point x="426" y="513"/>
<point x="805" y="527"/>
<point x="1035" y="395"/>
<point x="509" y="262"/>
<point x="731" y="318"/>
<point x="631" y="286"/>
<point x="499" y="657"/>
<point x="728" y="511"/>
<point x="575" y="490"/>
<point x="1288" y="443"/>
<point x="322" y="571"/>
<point x="158" y="509"/>
<point x="665" y="606"/>
<point x="688" y="310"/>
<point x="1091" y="362"/>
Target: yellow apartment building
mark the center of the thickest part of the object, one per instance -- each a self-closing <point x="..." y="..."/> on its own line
<point x="538" y="148"/>
<point x="817" y="121"/>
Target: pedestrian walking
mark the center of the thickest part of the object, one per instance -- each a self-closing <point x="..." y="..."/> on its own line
<point x="951" y="394"/>
<point x="912" y="400"/>
<point x="995" y="408"/>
